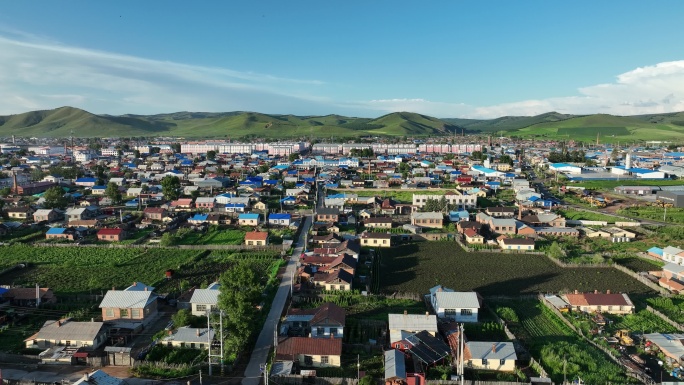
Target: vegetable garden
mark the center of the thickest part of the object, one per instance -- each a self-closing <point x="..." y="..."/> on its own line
<point x="414" y="268"/>
<point x="558" y="348"/>
<point x="83" y="269"/>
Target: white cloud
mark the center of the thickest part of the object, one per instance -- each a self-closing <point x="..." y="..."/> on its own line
<point x="38" y="73"/>
<point x="645" y="90"/>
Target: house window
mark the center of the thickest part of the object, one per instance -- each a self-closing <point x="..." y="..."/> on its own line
<point x="502" y="362"/>
<point x="109" y="312"/>
<point x="320" y="331"/>
<point x="123" y="313"/>
<point x="192" y="345"/>
<point x="484" y="362"/>
<point x="466" y="312"/>
<point x="333" y="331"/>
<point x="324" y="359"/>
<point x="450" y="313"/>
<point x="68" y="343"/>
<point x="135" y="313"/>
<point x="397" y="346"/>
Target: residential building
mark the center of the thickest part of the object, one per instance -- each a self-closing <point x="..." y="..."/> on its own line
<point x="204" y="300"/>
<point x="453" y="305"/>
<point x="325" y="214"/>
<point x="378" y="223"/>
<point x="66" y="332"/>
<point x="284" y="219"/>
<point x="376" y="239"/>
<point x="498" y="356"/>
<point x="46" y="215"/>
<point x="521" y="244"/>
<point x="403" y="324"/>
<point x="249" y="219"/>
<point x="256" y="238"/>
<point x="189" y="337"/>
<point x="455" y="199"/>
<point x="310" y="352"/>
<point x="611" y="303"/>
<point x="131" y="305"/>
<point x="431" y="219"/>
<point x="110" y="235"/>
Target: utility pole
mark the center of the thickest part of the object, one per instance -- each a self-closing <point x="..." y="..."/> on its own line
<point x="358" y="368"/>
<point x="209" y="340"/>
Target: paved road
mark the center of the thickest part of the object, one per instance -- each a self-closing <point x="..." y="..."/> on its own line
<point x="265" y="341"/>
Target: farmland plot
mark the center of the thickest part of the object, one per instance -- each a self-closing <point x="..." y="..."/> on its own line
<point x="416" y="267"/>
<point x="558" y="348"/>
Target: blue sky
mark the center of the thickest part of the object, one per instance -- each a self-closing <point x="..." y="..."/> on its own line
<point x="478" y="59"/>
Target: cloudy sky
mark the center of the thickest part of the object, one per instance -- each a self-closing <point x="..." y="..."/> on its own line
<point x="473" y="59"/>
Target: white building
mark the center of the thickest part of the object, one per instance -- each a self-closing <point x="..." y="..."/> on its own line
<point x="455" y="199"/>
<point x="454" y="305"/>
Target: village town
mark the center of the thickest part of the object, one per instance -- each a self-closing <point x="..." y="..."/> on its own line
<point x="474" y="259"/>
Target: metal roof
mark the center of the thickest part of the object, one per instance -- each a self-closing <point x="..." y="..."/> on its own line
<point x="492" y="350"/>
<point x="413" y="322"/>
<point x="395" y="364"/>
<point x="456" y="300"/>
<point x="69" y="331"/>
<point x="205" y="296"/>
<point x="190" y="335"/>
<point x="127" y="299"/>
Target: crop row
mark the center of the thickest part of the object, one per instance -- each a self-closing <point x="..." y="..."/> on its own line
<point x="559" y="350"/>
<point x="414" y="268"/>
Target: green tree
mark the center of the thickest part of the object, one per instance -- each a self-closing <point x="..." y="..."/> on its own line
<point x="113" y="193"/>
<point x="5" y="191"/>
<point x="54" y="198"/>
<point x="294" y="156"/>
<point x="182" y="318"/>
<point x="136" y="154"/>
<point x="37" y="174"/>
<point x="211" y="154"/>
<point x="240" y="292"/>
<point x="171" y="187"/>
<point x="176" y="147"/>
<point x="367" y="380"/>
<point x="14" y="162"/>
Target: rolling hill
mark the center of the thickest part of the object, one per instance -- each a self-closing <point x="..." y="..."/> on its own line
<point x="61" y="122"/>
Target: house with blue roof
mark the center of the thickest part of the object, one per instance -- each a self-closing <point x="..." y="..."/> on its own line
<point x="289" y="200"/>
<point x="458" y="216"/>
<point x="86" y="182"/>
<point x="60" y="233"/>
<point x="249" y="219"/>
<point x="98" y="190"/>
<point x="280" y="219"/>
<point x="235" y="207"/>
<point x="198" y="219"/>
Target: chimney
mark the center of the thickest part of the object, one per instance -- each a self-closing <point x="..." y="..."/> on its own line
<point x="135" y="284"/>
<point x="145" y="288"/>
<point x="405" y="312"/>
<point x="427" y="314"/>
<point x="169" y="332"/>
<point x="92" y="320"/>
<point x="59" y="323"/>
<point x="113" y="287"/>
<point x="16" y="185"/>
<point x="37" y="295"/>
<point x="608" y="291"/>
<point x="595" y="291"/>
<point x="576" y="291"/>
<point x="86" y="377"/>
<point x="494" y="348"/>
<point x="197" y="332"/>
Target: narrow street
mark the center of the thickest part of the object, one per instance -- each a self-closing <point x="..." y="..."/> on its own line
<point x="265" y="341"/>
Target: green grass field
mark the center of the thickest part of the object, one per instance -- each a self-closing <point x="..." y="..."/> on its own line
<point x="609" y="185"/>
<point x="577" y="215"/>
<point x="214" y="236"/>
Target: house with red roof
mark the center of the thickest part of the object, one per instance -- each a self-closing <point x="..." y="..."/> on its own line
<point x="110" y="235"/>
<point x="256" y="238"/>
<point x="311" y="352"/>
<point x="612" y="303"/>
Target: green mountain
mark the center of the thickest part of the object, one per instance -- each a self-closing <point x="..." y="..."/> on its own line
<point x="64" y="121"/>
